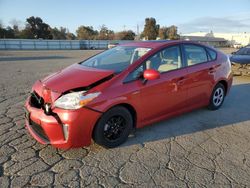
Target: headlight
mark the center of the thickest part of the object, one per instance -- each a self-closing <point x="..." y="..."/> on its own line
<point x="75" y="100"/>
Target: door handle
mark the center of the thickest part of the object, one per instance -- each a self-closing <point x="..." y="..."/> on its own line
<point x="181" y="80"/>
<point x="211" y="70"/>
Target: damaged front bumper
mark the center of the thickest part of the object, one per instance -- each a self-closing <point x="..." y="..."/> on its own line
<point x="62" y="128"/>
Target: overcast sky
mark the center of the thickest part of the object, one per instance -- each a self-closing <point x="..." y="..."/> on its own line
<point x="188" y="15"/>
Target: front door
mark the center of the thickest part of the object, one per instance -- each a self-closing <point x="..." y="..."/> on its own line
<point x="166" y="95"/>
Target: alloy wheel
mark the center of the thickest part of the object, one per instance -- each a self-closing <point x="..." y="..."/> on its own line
<point x="218" y="96"/>
<point x="114" y="128"/>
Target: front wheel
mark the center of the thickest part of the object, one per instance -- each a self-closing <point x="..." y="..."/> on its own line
<point x="217" y="97"/>
<point x="113" y="128"/>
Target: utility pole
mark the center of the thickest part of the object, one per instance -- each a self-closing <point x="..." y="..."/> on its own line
<point x="137" y="32"/>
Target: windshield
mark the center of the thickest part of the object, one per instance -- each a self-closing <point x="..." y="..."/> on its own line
<point x="244" y="51"/>
<point x="116" y="59"/>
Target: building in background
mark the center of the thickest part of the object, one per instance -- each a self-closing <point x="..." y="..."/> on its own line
<point x="211" y="41"/>
<point x="234" y="39"/>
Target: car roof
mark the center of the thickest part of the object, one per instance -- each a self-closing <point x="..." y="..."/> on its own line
<point x="155" y="43"/>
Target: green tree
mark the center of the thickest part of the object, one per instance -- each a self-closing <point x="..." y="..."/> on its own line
<point x="26" y="33"/>
<point x="105" y="33"/>
<point x="172" y="33"/>
<point x="125" y="35"/>
<point x="163" y="33"/>
<point x="15" y="25"/>
<point x="59" y="33"/>
<point x="38" y="28"/>
<point x="151" y="29"/>
<point x="7" y="32"/>
<point x="86" y="33"/>
<point x="70" y="36"/>
<point x="16" y="31"/>
<point x="168" y="33"/>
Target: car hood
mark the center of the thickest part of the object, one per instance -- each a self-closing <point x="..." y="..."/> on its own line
<point x="74" y="77"/>
<point x="243" y="59"/>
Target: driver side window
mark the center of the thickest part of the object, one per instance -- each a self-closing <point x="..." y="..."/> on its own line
<point x="165" y="60"/>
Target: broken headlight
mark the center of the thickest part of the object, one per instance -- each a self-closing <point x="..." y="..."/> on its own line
<point x="75" y="100"/>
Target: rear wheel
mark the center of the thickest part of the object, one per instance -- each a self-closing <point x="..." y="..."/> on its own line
<point x="113" y="128"/>
<point x="217" y="97"/>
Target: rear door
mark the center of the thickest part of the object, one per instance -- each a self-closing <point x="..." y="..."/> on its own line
<point x="201" y="68"/>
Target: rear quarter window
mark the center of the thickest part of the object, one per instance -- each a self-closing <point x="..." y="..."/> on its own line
<point x="212" y="54"/>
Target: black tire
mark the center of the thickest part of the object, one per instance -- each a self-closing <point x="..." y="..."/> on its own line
<point x="217" y="97"/>
<point x="110" y="131"/>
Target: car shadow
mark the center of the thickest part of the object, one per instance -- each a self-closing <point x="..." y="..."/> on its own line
<point x="31" y="58"/>
<point x="236" y="109"/>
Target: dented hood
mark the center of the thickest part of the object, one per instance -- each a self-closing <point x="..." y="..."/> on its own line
<point x="73" y="77"/>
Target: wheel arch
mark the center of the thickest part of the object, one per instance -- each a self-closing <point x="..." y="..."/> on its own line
<point x="129" y="107"/>
<point x="225" y="84"/>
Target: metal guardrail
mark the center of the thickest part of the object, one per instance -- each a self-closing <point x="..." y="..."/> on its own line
<point x="37" y="44"/>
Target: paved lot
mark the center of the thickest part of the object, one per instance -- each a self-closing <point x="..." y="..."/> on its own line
<point x="198" y="149"/>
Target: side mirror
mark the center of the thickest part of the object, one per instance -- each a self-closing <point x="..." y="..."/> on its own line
<point x="151" y="74"/>
<point x="233" y="53"/>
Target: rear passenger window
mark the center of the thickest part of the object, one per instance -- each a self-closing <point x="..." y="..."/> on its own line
<point x="212" y="54"/>
<point x="195" y="54"/>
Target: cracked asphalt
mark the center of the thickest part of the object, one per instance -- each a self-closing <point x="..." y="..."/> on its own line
<point x="198" y="149"/>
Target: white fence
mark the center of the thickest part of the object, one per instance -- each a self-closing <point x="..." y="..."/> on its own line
<point x="36" y="44"/>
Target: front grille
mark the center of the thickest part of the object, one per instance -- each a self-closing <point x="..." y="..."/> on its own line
<point x="36" y="101"/>
<point x="38" y="130"/>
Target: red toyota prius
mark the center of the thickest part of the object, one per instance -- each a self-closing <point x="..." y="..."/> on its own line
<point x="129" y="86"/>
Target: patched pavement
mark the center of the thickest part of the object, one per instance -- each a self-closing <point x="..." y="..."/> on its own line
<point x="198" y="149"/>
